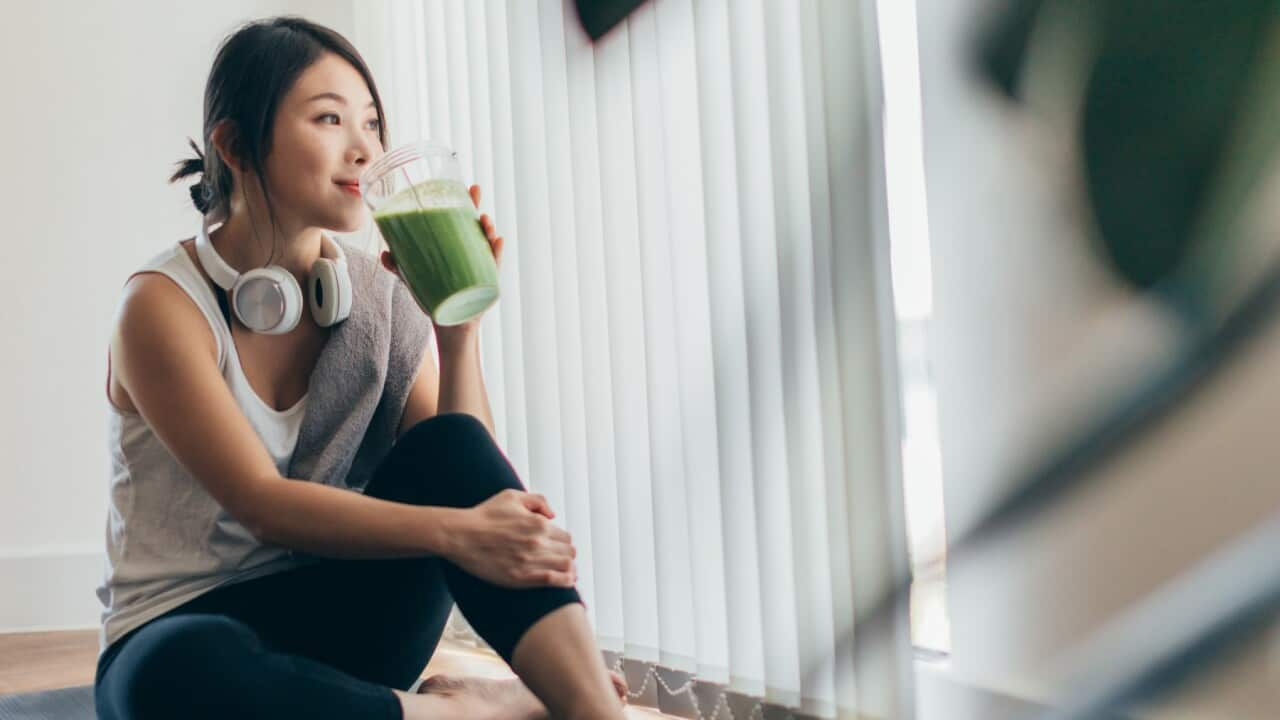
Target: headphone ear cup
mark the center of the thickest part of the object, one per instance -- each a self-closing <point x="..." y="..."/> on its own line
<point x="268" y="300"/>
<point x="329" y="292"/>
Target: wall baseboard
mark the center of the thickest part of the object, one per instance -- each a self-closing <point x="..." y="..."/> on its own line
<point x="50" y="591"/>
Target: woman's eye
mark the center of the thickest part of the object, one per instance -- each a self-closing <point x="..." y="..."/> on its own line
<point x="374" y="124"/>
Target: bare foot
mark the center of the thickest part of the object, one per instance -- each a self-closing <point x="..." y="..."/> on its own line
<point x="497" y="699"/>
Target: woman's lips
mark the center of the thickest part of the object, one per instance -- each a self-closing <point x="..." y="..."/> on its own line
<point x="350" y="188"/>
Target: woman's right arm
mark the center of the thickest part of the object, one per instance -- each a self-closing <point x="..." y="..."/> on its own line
<point x="166" y="358"/>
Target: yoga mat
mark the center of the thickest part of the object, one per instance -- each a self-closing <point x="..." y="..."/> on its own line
<point x="71" y="703"/>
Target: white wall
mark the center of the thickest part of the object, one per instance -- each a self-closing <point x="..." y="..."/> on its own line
<point x="98" y="101"/>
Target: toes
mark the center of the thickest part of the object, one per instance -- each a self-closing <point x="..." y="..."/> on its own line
<point x="619" y="685"/>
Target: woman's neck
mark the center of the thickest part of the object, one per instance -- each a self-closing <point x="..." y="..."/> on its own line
<point x="296" y="248"/>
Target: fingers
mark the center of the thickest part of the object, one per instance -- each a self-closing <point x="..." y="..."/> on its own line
<point x="475" y="195"/>
<point x="562" y="561"/>
<point x="559" y="534"/>
<point x="550" y="559"/>
<point x="561" y="551"/>
<point x="557" y="579"/>
<point x="557" y="553"/>
<point x="487" y="226"/>
<point x="555" y="562"/>
<point x="538" y="504"/>
<point x="495" y="241"/>
<point x="549" y="569"/>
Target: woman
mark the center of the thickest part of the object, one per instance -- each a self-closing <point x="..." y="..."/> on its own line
<point x="234" y="591"/>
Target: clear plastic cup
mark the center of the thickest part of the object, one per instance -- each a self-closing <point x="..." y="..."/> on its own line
<point x="425" y="213"/>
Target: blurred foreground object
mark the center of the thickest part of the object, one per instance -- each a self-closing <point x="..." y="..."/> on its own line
<point x="1167" y="84"/>
<point x="1107" y="565"/>
<point x="599" y="16"/>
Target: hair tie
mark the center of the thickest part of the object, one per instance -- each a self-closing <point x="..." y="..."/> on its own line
<point x="200" y="196"/>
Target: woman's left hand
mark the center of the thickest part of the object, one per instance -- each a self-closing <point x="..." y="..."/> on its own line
<point x="453" y="333"/>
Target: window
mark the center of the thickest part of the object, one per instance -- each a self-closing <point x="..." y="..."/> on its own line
<point x="913" y="300"/>
<point x="690" y="356"/>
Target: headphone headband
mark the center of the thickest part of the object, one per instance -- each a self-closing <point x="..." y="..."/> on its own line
<point x="223" y="274"/>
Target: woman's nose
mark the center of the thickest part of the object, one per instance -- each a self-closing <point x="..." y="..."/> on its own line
<point x="363" y="152"/>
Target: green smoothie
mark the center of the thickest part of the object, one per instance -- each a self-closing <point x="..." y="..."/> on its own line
<point x="441" y="251"/>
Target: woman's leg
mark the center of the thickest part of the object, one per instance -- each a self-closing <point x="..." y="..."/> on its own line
<point x="451" y="460"/>
<point x="559" y="660"/>
<point x="212" y="666"/>
<point x="378" y="621"/>
<point x="381" y="620"/>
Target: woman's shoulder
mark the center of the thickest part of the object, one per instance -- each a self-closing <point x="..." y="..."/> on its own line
<point x="154" y="293"/>
<point x="152" y="305"/>
<point x="158" y="295"/>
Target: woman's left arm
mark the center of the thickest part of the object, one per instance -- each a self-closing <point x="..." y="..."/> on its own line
<point x="461" y="382"/>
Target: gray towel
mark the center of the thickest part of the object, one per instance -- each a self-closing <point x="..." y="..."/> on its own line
<point x="362" y="379"/>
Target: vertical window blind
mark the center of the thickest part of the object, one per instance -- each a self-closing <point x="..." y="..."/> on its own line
<point x="693" y="354"/>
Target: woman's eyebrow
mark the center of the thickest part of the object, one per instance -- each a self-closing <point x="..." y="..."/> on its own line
<point x="333" y="96"/>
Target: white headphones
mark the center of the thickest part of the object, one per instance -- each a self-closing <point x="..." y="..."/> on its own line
<point x="268" y="300"/>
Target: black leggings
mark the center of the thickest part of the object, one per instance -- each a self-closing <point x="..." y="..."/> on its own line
<point x="330" y="639"/>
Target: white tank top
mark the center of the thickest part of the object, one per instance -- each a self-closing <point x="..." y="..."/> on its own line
<point x="180" y="543"/>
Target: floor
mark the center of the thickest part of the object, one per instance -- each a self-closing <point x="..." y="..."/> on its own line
<point x="48" y="660"/>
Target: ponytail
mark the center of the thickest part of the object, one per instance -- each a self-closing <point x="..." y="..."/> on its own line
<point x="201" y="194"/>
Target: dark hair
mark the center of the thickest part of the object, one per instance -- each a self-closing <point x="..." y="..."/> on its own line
<point x="254" y="68"/>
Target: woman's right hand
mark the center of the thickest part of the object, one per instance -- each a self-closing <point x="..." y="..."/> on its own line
<point x="509" y="540"/>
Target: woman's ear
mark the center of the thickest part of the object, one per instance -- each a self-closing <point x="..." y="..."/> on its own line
<point x="224" y="143"/>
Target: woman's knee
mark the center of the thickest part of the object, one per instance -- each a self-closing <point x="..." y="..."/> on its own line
<point x="448" y="430"/>
<point x="446" y="460"/>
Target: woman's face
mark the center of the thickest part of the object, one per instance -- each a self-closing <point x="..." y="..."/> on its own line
<point x="326" y="132"/>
